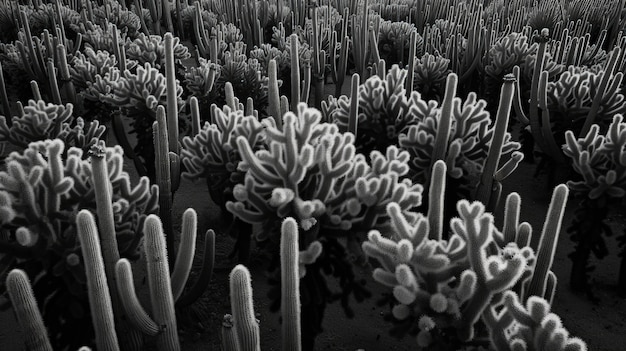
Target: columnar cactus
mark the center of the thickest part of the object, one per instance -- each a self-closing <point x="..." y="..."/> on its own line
<point x="97" y="285"/>
<point x="244" y="321"/>
<point x="27" y="312"/>
<point x="165" y="289"/>
<point x="44" y="187"/>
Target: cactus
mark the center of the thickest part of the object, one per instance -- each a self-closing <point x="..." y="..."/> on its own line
<point x="46" y="186"/>
<point x="97" y="285"/>
<point x="290" y="286"/>
<point x="598" y="159"/>
<point x="25" y="307"/>
<point x="442" y="288"/>
<point x="41" y="121"/>
<point x="244" y="321"/>
<point x="240" y="330"/>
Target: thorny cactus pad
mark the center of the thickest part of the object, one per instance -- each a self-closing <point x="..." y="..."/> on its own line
<point x="42" y="192"/>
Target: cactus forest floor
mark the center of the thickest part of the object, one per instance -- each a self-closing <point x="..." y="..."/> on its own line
<point x="601" y="325"/>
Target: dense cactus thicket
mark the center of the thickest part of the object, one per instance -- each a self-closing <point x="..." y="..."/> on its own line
<point x="333" y="136"/>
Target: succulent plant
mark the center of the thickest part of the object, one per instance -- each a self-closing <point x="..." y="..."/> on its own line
<point x="46" y="18"/>
<point x="151" y="49"/>
<point x="42" y="193"/>
<point x="310" y="172"/>
<point x="450" y="292"/>
<point x="112" y="12"/>
<point x="570" y="100"/>
<point x="384" y="112"/>
<point x="599" y="160"/>
<point x="213" y="154"/>
<point x="430" y="76"/>
<point x="42" y="121"/>
<point x="139" y="94"/>
<point x="394" y="40"/>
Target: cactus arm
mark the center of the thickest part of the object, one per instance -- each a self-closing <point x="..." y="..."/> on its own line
<point x="548" y="241"/>
<point x="229" y="334"/>
<point x="445" y="120"/>
<point x="353" y="120"/>
<point x="408" y="83"/>
<point x="186" y="251"/>
<point x="204" y="278"/>
<point x="535" y="125"/>
<point x="99" y="298"/>
<point x="28" y="316"/>
<point x="128" y="297"/>
<point x="247" y="327"/>
<point x="436" y="196"/>
<point x="295" y="72"/>
<point x="273" y="94"/>
<point x="160" y="285"/>
<point x="6" y="107"/>
<point x="485" y="187"/>
<point x="110" y="253"/>
<point x="546" y="125"/>
<point x="172" y="98"/>
<point x="54" y="84"/>
<point x="163" y="175"/>
<point x="597" y="99"/>
<point x="511" y="217"/>
<point x="290" y="286"/>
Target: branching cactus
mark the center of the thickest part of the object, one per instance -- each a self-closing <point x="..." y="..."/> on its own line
<point x="310" y="172"/>
<point x="599" y="159"/>
<point x="164" y="288"/>
<point x="151" y="49"/>
<point x="42" y="193"/>
<point x="42" y="121"/>
<point x="212" y="154"/>
<point x="441" y="289"/>
<point x="464" y="143"/>
<point x="139" y="94"/>
<point x="383" y="111"/>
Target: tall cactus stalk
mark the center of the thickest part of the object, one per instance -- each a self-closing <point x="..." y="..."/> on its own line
<point x="163" y="176"/>
<point x="290" y="286"/>
<point x="28" y="315"/>
<point x="295" y="72"/>
<point x="245" y="323"/>
<point x="485" y="187"/>
<point x="99" y="297"/>
<point x="445" y="120"/>
<point x="161" y="296"/>
<point x="547" y="243"/>
<point x="129" y="338"/>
